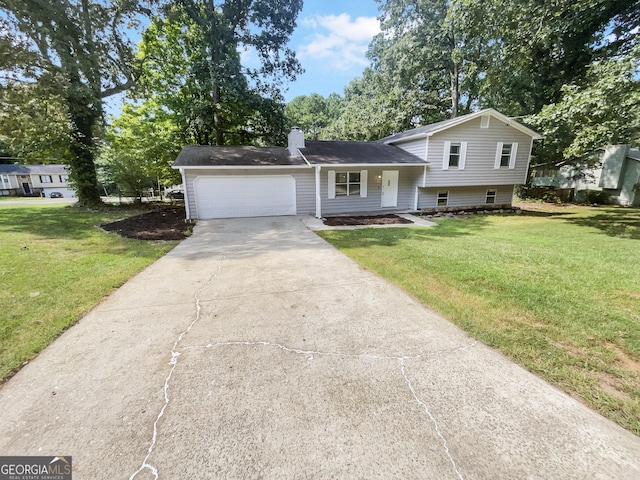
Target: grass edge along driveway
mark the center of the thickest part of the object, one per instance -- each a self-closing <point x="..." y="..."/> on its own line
<point x="555" y="289"/>
<point x="56" y="265"/>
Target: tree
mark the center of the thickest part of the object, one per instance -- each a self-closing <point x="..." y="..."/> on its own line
<point x="528" y="50"/>
<point x="140" y="147"/>
<point x="424" y="48"/>
<point x="79" y="50"/>
<point x="313" y="113"/>
<point x="237" y="99"/>
<point x="602" y="110"/>
<point x="34" y="124"/>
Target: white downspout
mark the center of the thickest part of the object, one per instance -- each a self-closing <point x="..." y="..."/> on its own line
<point x="187" y="197"/>
<point x="318" y="197"/>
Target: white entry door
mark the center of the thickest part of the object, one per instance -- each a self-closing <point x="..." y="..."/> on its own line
<point x="390" y="188"/>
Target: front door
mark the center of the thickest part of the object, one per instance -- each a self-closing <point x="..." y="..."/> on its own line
<point x="27" y="188"/>
<point x="390" y="188"/>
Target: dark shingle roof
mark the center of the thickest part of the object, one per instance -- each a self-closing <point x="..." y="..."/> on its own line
<point x="33" y="169"/>
<point x="210" y="156"/>
<point x="336" y="153"/>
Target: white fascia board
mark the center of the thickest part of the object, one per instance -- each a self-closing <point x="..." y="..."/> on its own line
<point x="469" y="117"/>
<point x="240" y="167"/>
<point x="370" y="165"/>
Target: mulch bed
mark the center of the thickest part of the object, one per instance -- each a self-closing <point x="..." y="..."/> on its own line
<point x="366" y="220"/>
<point x="163" y="224"/>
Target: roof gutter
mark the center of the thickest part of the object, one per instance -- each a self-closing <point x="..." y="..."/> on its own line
<point x="237" y="167"/>
<point x="370" y="165"/>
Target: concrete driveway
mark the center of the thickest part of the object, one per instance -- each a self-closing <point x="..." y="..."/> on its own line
<point x="256" y="350"/>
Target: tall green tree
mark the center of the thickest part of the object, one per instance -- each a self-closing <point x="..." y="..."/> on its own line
<point x="603" y="109"/>
<point x="34" y="125"/>
<point x="424" y="49"/>
<point x="314" y="113"/>
<point x="140" y="147"/>
<point x="528" y="49"/>
<point x="238" y="99"/>
<point x="79" y="51"/>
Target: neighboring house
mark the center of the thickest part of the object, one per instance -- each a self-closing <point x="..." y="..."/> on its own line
<point x="617" y="174"/>
<point x="467" y="162"/>
<point x="35" y="180"/>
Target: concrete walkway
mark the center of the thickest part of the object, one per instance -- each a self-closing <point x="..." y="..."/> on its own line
<point x="256" y="350"/>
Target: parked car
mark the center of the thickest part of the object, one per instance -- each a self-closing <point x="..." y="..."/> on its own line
<point x="175" y="194"/>
<point x="56" y="195"/>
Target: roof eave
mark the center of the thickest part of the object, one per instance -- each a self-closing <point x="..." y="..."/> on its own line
<point x="234" y="167"/>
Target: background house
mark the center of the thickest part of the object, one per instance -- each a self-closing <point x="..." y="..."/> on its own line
<point x="468" y="162"/>
<point x="35" y="180"/>
<point x="616" y="174"/>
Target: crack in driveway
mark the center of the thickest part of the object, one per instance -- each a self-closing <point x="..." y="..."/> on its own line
<point x="310" y="355"/>
<point x="174" y="362"/>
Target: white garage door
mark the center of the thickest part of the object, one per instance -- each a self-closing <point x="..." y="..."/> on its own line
<point x="245" y="196"/>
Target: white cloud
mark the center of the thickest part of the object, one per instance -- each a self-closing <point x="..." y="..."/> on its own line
<point x="340" y="41"/>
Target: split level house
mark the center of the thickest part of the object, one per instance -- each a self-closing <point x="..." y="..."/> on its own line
<point x="35" y="180"/>
<point x="471" y="161"/>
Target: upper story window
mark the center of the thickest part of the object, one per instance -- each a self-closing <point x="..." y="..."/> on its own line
<point x="347" y="184"/>
<point x="506" y="155"/>
<point x="64" y="178"/>
<point x="455" y="154"/>
<point x="46" y="179"/>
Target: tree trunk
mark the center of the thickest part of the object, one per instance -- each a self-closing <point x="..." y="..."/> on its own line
<point x="455" y="90"/>
<point x="83" y="170"/>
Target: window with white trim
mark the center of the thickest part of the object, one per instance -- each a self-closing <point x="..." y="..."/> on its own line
<point x="443" y="198"/>
<point x="46" y="179"/>
<point x="506" y="155"/>
<point x="491" y="196"/>
<point x="455" y="154"/>
<point x="64" y="178"/>
<point x="5" y="181"/>
<point x="347" y="184"/>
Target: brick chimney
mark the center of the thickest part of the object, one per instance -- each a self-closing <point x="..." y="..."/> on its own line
<point x="296" y="141"/>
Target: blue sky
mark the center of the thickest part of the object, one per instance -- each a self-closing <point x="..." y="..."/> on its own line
<point x="331" y="41"/>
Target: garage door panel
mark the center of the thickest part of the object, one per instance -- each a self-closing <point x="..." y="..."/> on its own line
<point x="245" y="196"/>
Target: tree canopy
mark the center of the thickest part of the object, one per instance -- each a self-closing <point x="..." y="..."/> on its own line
<point x="79" y="51"/>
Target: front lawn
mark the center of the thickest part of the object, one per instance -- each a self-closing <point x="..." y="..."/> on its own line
<point x="556" y="289"/>
<point x="56" y="265"/>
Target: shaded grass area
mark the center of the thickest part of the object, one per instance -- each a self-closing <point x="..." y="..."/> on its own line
<point x="556" y="289"/>
<point x="55" y="265"/>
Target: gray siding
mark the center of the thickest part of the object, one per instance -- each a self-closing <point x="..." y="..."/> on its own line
<point x="305" y="185"/>
<point x="408" y="178"/>
<point x="466" y="196"/>
<point x="418" y="147"/>
<point x="481" y="154"/>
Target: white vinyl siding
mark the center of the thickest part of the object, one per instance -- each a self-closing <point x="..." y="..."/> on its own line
<point x="481" y="145"/>
<point x="506" y="154"/>
<point x="409" y="178"/>
<point x="460" y="197"/>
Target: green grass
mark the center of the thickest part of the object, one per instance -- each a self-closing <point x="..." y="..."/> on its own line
<point x="556" y="289"/>
<point x="56" y="265"/>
